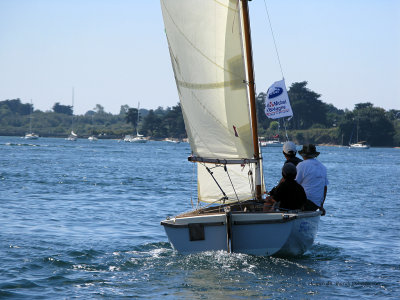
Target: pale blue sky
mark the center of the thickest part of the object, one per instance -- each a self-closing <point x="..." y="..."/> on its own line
<point x="114" y="52"/>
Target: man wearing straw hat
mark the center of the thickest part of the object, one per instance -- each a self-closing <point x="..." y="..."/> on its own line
<point x="312" y="175"/>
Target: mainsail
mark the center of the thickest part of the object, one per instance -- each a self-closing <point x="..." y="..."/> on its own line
<point x="207" y="56"/>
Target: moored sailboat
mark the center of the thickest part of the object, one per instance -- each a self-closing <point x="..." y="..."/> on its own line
<point x="138" y="138"/>
<point x="72" y="136"/>
<point x="358" y="144"/>
<point x="31" y="135"/>
<point x="211" y="55"/>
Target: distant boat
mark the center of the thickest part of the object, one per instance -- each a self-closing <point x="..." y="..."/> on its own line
<point x="359" y="144"/>
<point x="30" y="135"/>
<point x="138" y="138"/>
<point x="92" y="138"/>
<point x="213" y="68"/>
<point x="271" y="143"/>
<point x="72" y="136"/>
<point x="172" y="141"/>
<point x="274" y="142"/>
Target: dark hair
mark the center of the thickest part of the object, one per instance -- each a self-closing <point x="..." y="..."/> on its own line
<point x="289" y="171"/>
<point x="290" y="153"/>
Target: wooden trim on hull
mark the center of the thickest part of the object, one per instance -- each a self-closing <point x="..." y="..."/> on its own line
<point x="283" y="220"/>
<point x="187" y="225"/>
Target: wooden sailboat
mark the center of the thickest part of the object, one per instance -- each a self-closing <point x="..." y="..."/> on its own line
<point x="211" y="55"/>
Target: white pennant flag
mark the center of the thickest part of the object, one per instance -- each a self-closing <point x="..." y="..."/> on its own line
<point x="277" y="103"/>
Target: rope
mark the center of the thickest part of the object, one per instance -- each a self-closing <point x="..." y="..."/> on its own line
<point x="251" y="183"/>
<point x="191" y="190"/>
<point x="284" y="125"/>
<point x="273" y="38"/>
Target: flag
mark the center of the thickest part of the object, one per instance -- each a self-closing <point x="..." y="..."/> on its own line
<point x="277" y="103"/>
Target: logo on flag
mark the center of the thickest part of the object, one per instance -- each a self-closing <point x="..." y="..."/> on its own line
<point x="277" y="104"/>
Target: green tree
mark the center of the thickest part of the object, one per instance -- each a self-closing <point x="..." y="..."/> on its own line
<point x="17" y="107"/>
<point x="131" y="117"/>
<point x="99" y="109"/>
<point x="371" y="123"/>
<point x="274" y="125"/>
<point x="173" y="121"/>
<point x="62" y="109"/>
<point x="307" y="108"/>
<point x="152" y="124"/>
<point x="123" y="110"/>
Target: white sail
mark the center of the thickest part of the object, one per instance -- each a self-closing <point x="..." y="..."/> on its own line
<point x="240" y="189"/>
<point x="207" y="57"/>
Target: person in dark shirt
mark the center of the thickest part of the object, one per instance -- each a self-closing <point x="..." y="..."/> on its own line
<point x="289" y="151"/>
<point x="288" y="195"/>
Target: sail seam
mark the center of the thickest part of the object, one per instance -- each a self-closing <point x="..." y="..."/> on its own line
<point x="209" y="86"/>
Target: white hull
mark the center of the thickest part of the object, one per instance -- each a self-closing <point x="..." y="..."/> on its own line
<point x="31" y="136"/>
<point x="271" y="144"/>
<point x="134" y="139"/>
<point x="138" y="140"/>
<point x="359" y="146"/>
<point x="251" y="233"/>
<point x="92" y="138"/>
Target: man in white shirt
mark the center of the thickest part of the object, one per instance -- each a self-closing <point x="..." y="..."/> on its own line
<point x="312" y="175"/>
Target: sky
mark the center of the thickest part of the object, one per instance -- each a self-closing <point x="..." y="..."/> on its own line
<point x="114" y="52"/>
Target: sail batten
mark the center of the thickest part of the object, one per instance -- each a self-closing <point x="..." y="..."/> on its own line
<point x="222" y="161"/>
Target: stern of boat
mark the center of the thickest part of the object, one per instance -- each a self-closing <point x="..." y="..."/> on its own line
<point x="197" y="234"/>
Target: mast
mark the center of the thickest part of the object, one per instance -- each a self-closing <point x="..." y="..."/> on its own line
<point x="72" y="121"/>
<point x="30" y="117"/>
<point x="251" y="83"/>
<point x="137" y="123"/>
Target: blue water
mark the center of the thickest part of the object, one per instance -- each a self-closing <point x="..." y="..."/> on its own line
<point x="82" y="220"/>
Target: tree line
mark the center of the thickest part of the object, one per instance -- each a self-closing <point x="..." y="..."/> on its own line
<point x="314" y="121"/>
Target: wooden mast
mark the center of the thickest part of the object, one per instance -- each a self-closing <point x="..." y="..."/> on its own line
<point x="251" y="83"/>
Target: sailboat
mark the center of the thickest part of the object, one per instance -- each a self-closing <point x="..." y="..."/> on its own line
<point x="274" y="142"/>
<point x="210" y="49"/>
<point x="92" y="138"/>
<point x="359" y="144"/>
<point x="72" y="136"/>
<point x="138" y="138"/>
<point x="30" y="135"/>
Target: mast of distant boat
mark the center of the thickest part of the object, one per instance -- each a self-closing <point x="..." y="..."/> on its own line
<point x="251" y="84"/>
<point x="30" y="117"/>
<point x="72" y="123"/>
<point x="137" y="123"/>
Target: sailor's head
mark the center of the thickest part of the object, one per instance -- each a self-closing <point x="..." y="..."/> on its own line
<point x="289" y="171"/>
<point x="289" y="149"/>
<point x="309" y="151"/>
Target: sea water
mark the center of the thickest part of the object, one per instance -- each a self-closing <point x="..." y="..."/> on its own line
<point x="82" y="220"/>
